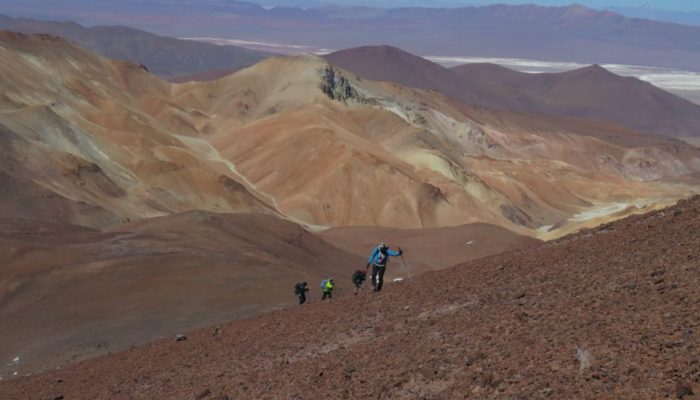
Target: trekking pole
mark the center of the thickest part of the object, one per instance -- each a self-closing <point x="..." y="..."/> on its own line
<point x="406" y="266"/>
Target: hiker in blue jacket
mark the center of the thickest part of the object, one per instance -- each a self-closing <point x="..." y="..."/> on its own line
<point x="378" y="261"/>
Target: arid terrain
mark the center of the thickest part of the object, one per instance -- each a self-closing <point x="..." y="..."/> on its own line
<point x="109" y="142"/>
<point x="69" y="293"/>
<point x="167" y="275"/>
<point x="605" y="313"/>
<point x="133" y="208"/>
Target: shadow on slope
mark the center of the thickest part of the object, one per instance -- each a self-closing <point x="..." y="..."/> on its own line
<point x="69" y="293"/>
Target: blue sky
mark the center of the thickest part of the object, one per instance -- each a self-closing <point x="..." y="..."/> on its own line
<point x="674" y="5"/>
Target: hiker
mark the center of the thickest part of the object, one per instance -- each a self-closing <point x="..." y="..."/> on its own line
<point x="358" y="278"/>
<point x="327" y="286"/>
<point x="378" y="260"/>
<point x="300" y="290"/>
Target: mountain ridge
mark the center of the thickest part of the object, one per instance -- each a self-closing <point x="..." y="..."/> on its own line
<point x="622" y="100"/>
<point x="164" y="56"/>
<point x="512" y="31"/>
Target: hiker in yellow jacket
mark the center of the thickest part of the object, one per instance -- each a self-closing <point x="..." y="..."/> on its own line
<point x="327" y="286"/>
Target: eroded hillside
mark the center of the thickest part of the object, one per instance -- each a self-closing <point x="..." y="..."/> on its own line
<point x="109" y="142"/>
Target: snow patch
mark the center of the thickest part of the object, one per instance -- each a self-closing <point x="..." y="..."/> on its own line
<point x="602" y="211"/>
<point x="544" y="228"/>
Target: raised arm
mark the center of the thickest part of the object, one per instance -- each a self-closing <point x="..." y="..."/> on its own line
<point x="394" y="253"/>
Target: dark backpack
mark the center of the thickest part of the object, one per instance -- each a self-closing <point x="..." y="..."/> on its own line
<point x="298" y="289"/>
<point x="381" y="258"/>
<point x="359" y="276"/>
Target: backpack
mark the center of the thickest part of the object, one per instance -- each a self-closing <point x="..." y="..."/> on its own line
<point x="381" y="258"/>
<point x="323" y="284"/>
<point x="298" y="289"/>
<point x="359" y="276"/>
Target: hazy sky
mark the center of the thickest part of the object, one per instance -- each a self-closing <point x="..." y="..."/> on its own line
<point x="676" y="5"/>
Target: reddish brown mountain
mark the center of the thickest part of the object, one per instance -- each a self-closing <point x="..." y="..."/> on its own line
<point x="116" y="143"/>
<point x="606" y="313"/>
<point x="591" y="92"/>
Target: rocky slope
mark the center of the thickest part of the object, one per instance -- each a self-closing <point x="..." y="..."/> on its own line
<point x="609" y="312"/>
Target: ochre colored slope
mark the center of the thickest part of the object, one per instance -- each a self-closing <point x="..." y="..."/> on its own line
<point x="81" y="128"/>
<point x="322" y="147"/>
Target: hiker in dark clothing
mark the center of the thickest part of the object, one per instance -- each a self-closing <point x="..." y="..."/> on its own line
<point x="300" y="290"/>
<point x="358" y="278"/>
<point x="378" y="261"/>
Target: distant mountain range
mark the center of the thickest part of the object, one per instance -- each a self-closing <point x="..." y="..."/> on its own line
<point x="591" y="92"/>
<point x="626" y="101"/>
<point x="573" y="33"/>
<point x="687" y="18"/>
<point x="164" y="56"/>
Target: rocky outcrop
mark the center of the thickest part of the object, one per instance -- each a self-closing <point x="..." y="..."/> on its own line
<point x="338" y="87"/>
